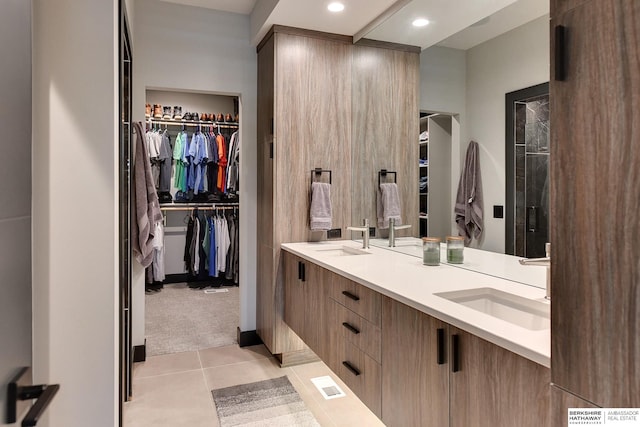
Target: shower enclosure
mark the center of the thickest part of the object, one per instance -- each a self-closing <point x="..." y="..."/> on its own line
<point x="527" y="171"/>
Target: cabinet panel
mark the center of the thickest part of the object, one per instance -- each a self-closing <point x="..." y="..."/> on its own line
<point x="358" y="331"/>
<point x="415" y="388"/>
<point x="385" y="125"/>
<point x="294" y="294"/>
<point x="595" y="177"/>
<point x="558" y="7"/>
<point x="357" y="298"/>
<point x="495" y="387"/>
<point x="363" y="377"/>
<point x="561" y="401"/>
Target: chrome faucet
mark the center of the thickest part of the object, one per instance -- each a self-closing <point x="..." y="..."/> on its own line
<point x="545" y="262"/>
<point x="392" y="231"/>
<point x="365" y="232"/>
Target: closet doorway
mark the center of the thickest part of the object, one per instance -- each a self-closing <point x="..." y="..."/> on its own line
<point x="192" y="293"/>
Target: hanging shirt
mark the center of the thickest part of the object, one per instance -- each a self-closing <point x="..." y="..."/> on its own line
<point x="164" y="157"/>
<point x="222" y="239"/>
<point x="222" y="163"/>
<point x="213" y="271"/>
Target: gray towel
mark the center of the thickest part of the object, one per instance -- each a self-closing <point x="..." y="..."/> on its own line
<point x="320" y="212"/>
<point x="388" y="204"/>
<point x="146" y="210"/>
<point x="469" y="202"/>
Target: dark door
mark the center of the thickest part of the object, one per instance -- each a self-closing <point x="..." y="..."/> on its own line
<point x="15" y="188"/>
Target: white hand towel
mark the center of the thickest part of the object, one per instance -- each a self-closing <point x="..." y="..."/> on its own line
<point x="388" y="204"/>
<point x="320" y="212"/>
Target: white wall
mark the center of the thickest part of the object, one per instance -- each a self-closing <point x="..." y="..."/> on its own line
<point x="443" y="75"/>
<point x="74" y="182"/>
<point x="195" y="49"/>
<point x="512" y="61"/>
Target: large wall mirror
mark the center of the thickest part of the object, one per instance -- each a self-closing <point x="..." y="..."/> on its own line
<point x="466" y="75"/>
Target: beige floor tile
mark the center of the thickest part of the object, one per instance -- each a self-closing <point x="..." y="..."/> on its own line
<point x="167" y="364"/>
<point x="243" y="373"/>
<point x="220" y="356"/>
<point x="344" y="411"/>
<point x="172" y="400"/>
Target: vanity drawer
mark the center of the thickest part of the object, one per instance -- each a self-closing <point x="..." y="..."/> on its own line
<point x="357" y="298"/>
<point x="354" y="329"/>
<point x="363" y="376"/>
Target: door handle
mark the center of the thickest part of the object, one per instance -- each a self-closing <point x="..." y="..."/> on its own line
<point x="440" y="346"/>
<point x="560" y="53"/>
<point x="16" y="391"/>
<point x="455" y="350"/>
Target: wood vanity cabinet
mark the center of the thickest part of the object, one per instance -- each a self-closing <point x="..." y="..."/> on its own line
<point x="415" y="378"/>
<point x="437" y="375"/>
<point x="491" y="386"/>
<point x="561" y="401"/>
<point x="595" y="177"/>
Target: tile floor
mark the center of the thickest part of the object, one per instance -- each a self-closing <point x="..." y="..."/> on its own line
<point x="175" y="389"/>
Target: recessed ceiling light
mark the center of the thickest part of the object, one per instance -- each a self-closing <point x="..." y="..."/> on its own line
<point x="335" y="7"/>
<point x="420" y="22"/>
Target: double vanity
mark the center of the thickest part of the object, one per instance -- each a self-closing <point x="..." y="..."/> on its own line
<point x="425" y="345"/>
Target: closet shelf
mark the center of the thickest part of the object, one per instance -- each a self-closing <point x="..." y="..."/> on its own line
<point x="189" y="206"/>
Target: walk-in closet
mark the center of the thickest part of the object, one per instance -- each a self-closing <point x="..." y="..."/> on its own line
<point x="192" y="285"/>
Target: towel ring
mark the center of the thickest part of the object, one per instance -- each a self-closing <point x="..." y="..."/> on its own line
<point x="384" y="172"/>
<point x="319" y="171"/>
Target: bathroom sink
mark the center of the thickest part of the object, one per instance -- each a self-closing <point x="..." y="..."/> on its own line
<point x="523" y="312"/>
<point x="341" y="250"/>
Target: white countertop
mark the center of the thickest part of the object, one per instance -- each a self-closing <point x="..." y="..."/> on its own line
<point x="405" y="279"/>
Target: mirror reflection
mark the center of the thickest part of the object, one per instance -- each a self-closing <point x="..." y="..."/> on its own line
<point x="464" y="82"/>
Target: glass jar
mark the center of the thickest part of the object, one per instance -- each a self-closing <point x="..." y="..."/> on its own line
<point x="455" y="249"/>
<point x="430" y="251"/>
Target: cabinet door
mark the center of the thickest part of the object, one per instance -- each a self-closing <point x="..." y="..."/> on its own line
<point x="494" y="387"/>
<point x="294" y="304"/>
<point x="362" y="374"/>
<point x="415" y="383"/>
<point x="595" y="177"/>
<point x="561" y="401"/>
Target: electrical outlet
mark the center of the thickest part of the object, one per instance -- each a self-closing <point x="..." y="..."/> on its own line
<point x="334" y="233"/>
<point x="498" y="211"/>
<point x="372" y="232"/>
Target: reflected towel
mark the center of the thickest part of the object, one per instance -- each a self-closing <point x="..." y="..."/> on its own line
<point x="469" y="201"/>
<point x="320" y="212"/>
<point x="388" y="204"/>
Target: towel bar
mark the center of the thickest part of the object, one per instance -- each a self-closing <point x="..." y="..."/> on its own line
<point x="318" y="172"/>
<point x="384" y="172"/>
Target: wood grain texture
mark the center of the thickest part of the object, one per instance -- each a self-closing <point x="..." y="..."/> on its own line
<point x="561" y="401"/>
<point x="294" y="295"/>
<point x="265" y="280"/>
<point x="285" y="340"/>
<point x="385" y="129"/>
<point x="389" y="45"/>
<point x="313" y="129"/>
<point x="595" y="201"/>
<point x="368" y="338"/>
<point x="415" y="389"/>
<point x="369" y="304"/>
<point x="367" y="385"/>
<point x="495" y="387"/>
<point x="558" y="7"/>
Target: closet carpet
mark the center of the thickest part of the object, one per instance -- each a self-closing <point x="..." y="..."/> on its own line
<point x="180" y="319"/>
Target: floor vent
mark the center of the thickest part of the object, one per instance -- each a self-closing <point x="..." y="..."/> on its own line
<point x="328" y="387"/>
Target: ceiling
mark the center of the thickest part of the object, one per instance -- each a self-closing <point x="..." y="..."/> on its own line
<point x="451" y="21"/>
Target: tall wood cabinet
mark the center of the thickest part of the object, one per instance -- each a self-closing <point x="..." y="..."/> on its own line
<point x="595" y="201"/>
<point x="306" y="120"/>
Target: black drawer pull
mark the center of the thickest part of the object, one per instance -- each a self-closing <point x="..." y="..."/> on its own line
<point x="455" y="349"/>
<point x="304" y="273"/>
<point x="350" y="295"/>
<point x="351" y="328"/>
<point x="353" y="370"/>
<point x="440" y="356"/>
<point x="299" y="270"/>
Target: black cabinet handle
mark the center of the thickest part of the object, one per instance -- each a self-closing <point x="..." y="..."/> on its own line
<point x="455" y="350"/>
<point x="304" y="272"/>
<point x="560" y="53"/>
<point x="351" y="328"/>
<point x="440" y="355"/>
<point x="350" y="295"/>
<point x="301" y="275"/>
<point x="353" y="370"/>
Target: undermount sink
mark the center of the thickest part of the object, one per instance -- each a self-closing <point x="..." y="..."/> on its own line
<point x="523" y="312"/>
<point x="342" y="250"/>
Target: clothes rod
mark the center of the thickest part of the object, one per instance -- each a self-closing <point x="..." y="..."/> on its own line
<point x="204" y="208"/>
<point x="198" y="123"/>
